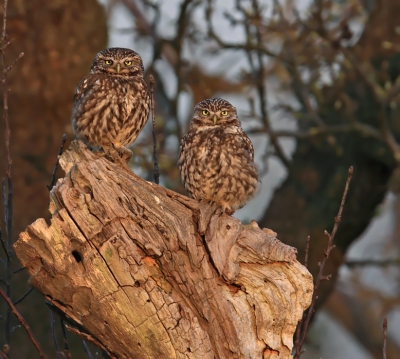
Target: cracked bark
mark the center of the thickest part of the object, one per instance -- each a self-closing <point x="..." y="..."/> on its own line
<point x="144" y="272"/>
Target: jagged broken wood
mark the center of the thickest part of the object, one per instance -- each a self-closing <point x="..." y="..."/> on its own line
<point x="144" y="272"/>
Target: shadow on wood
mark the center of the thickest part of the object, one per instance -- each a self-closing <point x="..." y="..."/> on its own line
<point x="144" y="272"/>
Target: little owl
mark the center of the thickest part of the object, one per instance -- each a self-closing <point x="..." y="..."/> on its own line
<point x="216" y="160"/>
<point x="111" y="104"/>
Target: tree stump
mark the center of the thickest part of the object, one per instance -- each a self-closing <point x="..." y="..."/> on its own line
<point x="144" y="272"/>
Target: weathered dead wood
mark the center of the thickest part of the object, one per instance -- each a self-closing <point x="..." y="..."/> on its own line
<point x="144" y="272"/>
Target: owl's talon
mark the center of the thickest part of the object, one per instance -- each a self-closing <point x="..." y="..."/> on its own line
<point x="112" y="154"/>
<point x="100" y="152"/>
<point x="124" y="153"/>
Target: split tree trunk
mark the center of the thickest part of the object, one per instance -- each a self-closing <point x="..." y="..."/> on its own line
<point x="144" y="272"/>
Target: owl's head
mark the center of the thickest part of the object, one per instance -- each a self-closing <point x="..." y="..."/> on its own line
<point x="118" y="62"/>
<point x="214" y="112"/>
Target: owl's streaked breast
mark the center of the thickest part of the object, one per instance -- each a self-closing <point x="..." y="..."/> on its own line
<point x="216" y="164"/>
<point x="111" y="104"/>
<point x="110" y="110"/>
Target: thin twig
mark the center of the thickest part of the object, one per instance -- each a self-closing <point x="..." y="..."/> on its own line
<point x="53" y="176"/>
<point x="24" y="324"/>
<point x="19" y="57"/>
<point x="153" y="119"/>
<point x="362" y="129"/>
<point x="87" y="350"/>
<point x="19" y="270"/>
<point x="170" y="48"/>
<point x="260" y="82"/>
<point x="49" y="187"/>
<point x="19" y="300"/>
<point x="384" y="336"/>
<point x="298" y="329"/>
<point x="306" y="252"/>
<point x="15" y="327"/>
<point x="7" y="189"/>
<point x="7" y="184"/>
<point x="4" y="34"/>
<point x="65" y="340"/>
<point x="372" y="262"/>
<point x="3" y="243"/>
<point x="53" y="334"/>
<point x="306" y="320"/>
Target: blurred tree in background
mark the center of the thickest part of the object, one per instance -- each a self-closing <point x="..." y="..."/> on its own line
<point x="317" y="81"/>
<point x="59" y="39"/>
<point x="316" y="85"/>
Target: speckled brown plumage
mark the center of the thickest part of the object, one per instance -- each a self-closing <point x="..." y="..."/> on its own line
<point x="216" y="160"/>
<point x="111" y="103"/>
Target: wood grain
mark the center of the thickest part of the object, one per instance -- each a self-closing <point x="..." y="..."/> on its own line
<point x="144" y="272"/>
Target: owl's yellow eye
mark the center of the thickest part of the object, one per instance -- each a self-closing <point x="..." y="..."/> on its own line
<point x="128" y="63"/>
<point x="205" y="112"/>
<point x="224" y="113"/>
<point x="109" y="62"/>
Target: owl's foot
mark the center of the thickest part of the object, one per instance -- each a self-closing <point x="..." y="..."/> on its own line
<point x="117" y="155"/>
<point x="206" y="202"/>
<point x="98" y="151"/>
<point x="112" y="154"/>
<point x="229" y="212"/>
<point x="124" y="153"/>
<point x="224" y="208"/>
<point x="220" y="208"/>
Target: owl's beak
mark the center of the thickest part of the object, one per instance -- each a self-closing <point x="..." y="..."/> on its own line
<point x="118" y="68"/>
<point x="215" y="119"/>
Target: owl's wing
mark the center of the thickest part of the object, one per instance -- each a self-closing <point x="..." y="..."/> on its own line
<point x="248" y="145"/>
<point x="242" y="137"/>
<point x="184" y="142"/>
<point x="86" y="84"/>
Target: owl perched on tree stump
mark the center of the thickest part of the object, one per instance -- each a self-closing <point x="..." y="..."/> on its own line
<point x="216" y="160"/>
<point x="111" y="103"/>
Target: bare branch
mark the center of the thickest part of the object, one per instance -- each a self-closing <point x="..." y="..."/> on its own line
<point x="153" y="119"/>
<point x="87" y="350"/>
<point x="306" y="252"/>
<point x="53" y="176"/>
<point x="3" y="244"/>
<point x="372" y="262"/>
<point x="24" y="324"/>
<point x="53" y="334"/>
<point x="7" y="184"/>
<point x="260" y="80"/>
<point x="65" y="340"/>
<point x="19" y="300"/>
<point x="141" y="23"/>
<point x="9" y="68"/>
<point x="20" y="269"/>
<point x="247" y="47"/>
<point x="306" y="321"/>
<point x="4" y="33"/>
<point x="363" y="129"/>
<point x="384" y="337"/>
